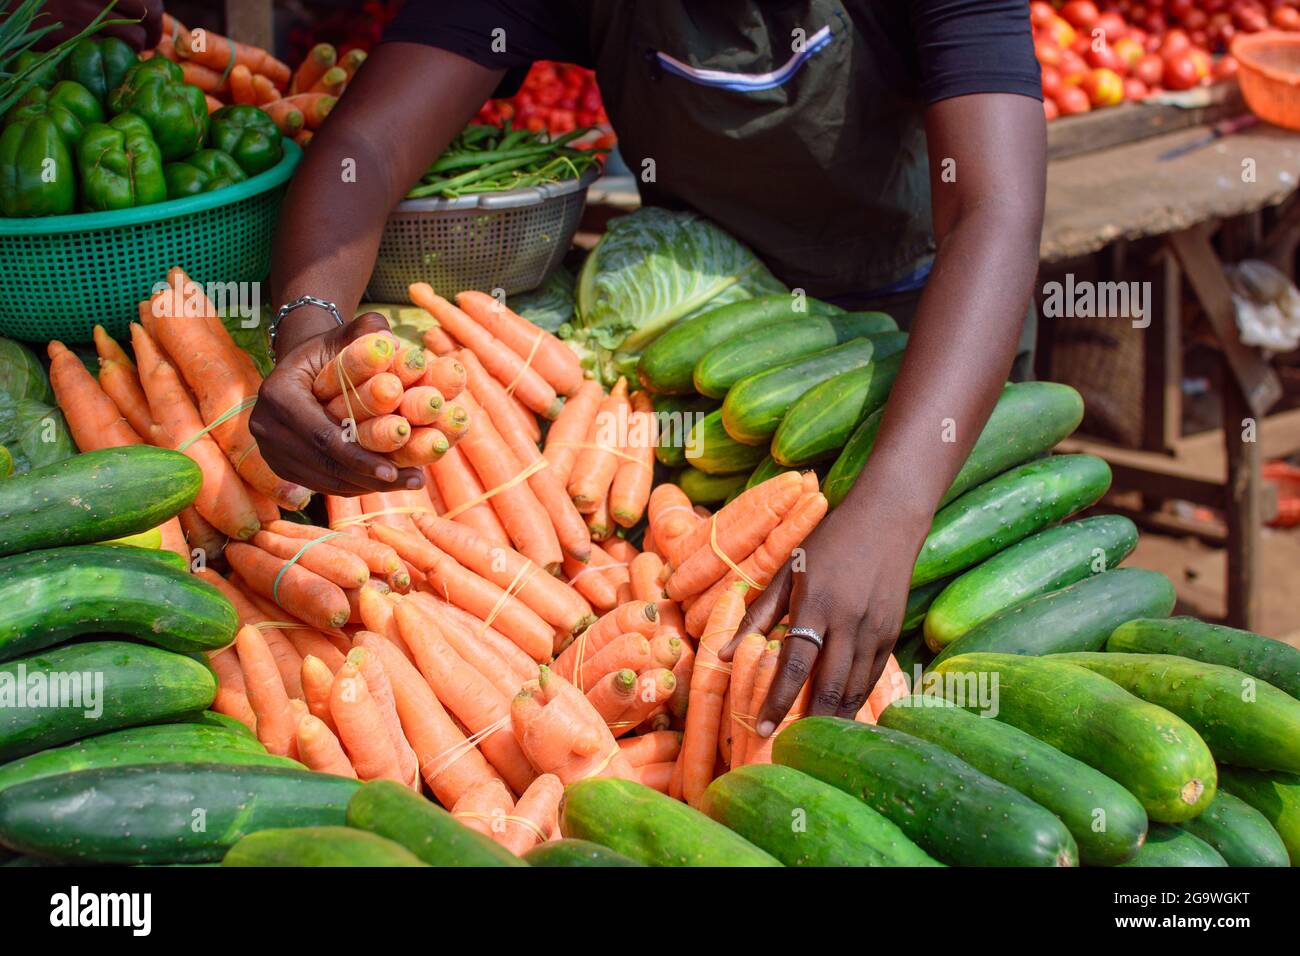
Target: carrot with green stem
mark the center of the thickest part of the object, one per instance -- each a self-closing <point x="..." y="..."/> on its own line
<point x="286" y="116"/>
<point x="629" y="492"/>
<point x="652" y="688"/>
<point x="562" y="733"/>
<point x="361" y="727"/>
<point x="554" y="601"/>
<point x="462" y="492"/>
<point x="737" y="530"/>
<point x="613" y="694"/>
<point x="266" y="693"/>
<point x="315" y="106"/>
<point x="381" y="690"/>
<point x="449" y="764"/>
<point x="665" y="649"/>
<point x="626" y="650"/>
<point x="598" y="459"/>
<point x="352" y="60"/>
<point x="507" y="367"/>
<point x="321" y="57"/>
<point x="333" y="564"/>
<point x="360" y="359"/>
<point x="448" y="375"/>
<point x="232" y="695"/>
<point x="453" y="420"/>
<point x="425" y="447"/>
<point x="420" y="405"/>
<point x="320" y="750"/>
<point x="93" y="419"/>
<point x="536" y="815"/>
<point x="380" y="394"/>
<point x="331" y="83"/>
<point x="600" y="524"/>
<point x="302" y="593"/>
<point x="709" y="681"/>
<point x="555" y="362"/>
<point x="383" y="433"/>
<point x="633" y="617"/>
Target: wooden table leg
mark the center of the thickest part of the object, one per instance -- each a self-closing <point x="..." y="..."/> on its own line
<point x="1242" y="504"/>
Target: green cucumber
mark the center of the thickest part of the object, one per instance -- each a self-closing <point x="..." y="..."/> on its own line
<point x="1076" y="618"/>
<point x="184" y="730"/>
<point x="1006" y="509"/>
<point x="423" y="828"/>
<point x="1030" y="418"/>
<point x="1043" y="562"/>
<point x="952" y="811"/>
<point x="575" y="853"/>
<point x="756" y="404"/>
<point x="652" y="828"/>
<point x="47" y="597"/>
<point x="919" y="600"/>
<point x="101" y="494"/>
<point x="767" y="468"/>
<point x="1239" y="832"/>
<point x="1107" y="821"/>
<point x="1171" y="846"/>
<point x="910" y="653"/>
<point x="819" y="424"/>
<point x="667" y="364"/>
<point x="675" y="415"/>
<point x="210" y="718"/>
<point x="706" y="489"/>
<point x="1245" y="721"/>
<point x="1155" y="755"/>
<point x="710" y="449"/>
<point x="804" y="822"/>
<point x="45" y="699"/>
<point x="1275" y="795"/>
<point x="1261" y="657"/>
<point x="769" y="345"/>
<point x="164" y="813"/>
<point x="318" y="846"/>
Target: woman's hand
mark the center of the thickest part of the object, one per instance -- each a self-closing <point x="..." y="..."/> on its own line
<point x="303" y="444"/>
<point x="75" y="14"/>
<point x="848" y="583"/>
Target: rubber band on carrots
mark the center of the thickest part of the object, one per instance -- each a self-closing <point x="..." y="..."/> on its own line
<point x="600" y="767"/>
<point x="366" y="516"/>
<point x="524" y="475"/>
<point x="510" y="389"/>
<point x="508" y="817"/>
<point x="613" y="566"/>
<point x="521" y="578"/>
<point x="459" y="750"/>
<point x="275" y="586"/>
<point x="240" y="406"/>
<point x="596" y="446"/>
<point x="713" y="543"/>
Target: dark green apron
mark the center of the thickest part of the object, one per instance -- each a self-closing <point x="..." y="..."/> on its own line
<point x="821" y="168"/>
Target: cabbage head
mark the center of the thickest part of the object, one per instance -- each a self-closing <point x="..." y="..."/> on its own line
<point x="34" y="434"/>
<point x="21" y="373"/>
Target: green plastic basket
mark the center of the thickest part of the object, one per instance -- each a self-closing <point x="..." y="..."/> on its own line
<point x="62" y="275"/>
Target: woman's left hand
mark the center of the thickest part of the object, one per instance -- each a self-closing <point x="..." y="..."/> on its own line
<point x="849" y="584"/>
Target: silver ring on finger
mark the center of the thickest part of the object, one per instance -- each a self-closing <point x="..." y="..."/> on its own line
<point x="808" y="634"/>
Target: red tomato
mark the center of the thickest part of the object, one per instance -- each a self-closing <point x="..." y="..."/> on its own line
<point x="1225" y="68"/>
<point x="1112" y="25"/>
<point x="1061" y="31"/>
<point x="1135" y="89"/>
<point x="1195" y="19"/>
<point x="1180" y="72"/>
<point x="1105" y="58"/>
<point x="1155" y="24"/>
<point x="1286" y="18"/>
<point x="1104" y="87"/>
<point x="1150" y="69"/>
<point x="1050" y="110"/>
<point x="1175" y="42"/>
<point x="1129" y="51"/>
<point x="1051" y="81"/>
<point x="1073" y="68"/>
<point x="1047" y="52"/>
<point x="1081" y="14"/>
<point x="1041" y="14"/>
<point x="1073" y="100"/>
<point x="1180" y="8"/>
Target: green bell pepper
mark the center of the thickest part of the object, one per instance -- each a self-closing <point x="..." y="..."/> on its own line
<point x="70" y="105"/>
<point x="46" y="76"/>
<point x="37" y="177"/>
<point x="120" y="164"/>
<point x="249" y="135"/>
<point x="206" y="170"/>
<point x="177" y="113"/>
<point x="99" y="64"/>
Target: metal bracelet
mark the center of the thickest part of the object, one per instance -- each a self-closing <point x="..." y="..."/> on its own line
<point x="298" y="303"/>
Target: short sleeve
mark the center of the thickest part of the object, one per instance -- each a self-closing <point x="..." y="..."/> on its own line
<point x="498" y="34"/>
<point x="974" y="46"/>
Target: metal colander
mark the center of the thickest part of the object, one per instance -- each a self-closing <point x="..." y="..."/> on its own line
<point x="509" y="240"/>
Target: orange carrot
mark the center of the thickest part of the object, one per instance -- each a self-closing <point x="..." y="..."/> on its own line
<point x="240" y="80"/>
<point x="320" y="750"/>
<point x="535" y="816"/>
<point x="108" y="348"/>
<point x="665" y="648"/>
<point x="447" y="375"/>
<point x="380" y="559"/>
<point x="458" y="487"/>
<point x="469" y="695"/>
<point x="736" y="531"/>
<point x="439" y="341"/>
<point x="453" y="421"/>
<point x="761" y="566"/>
<point x="671" y="517"/>
<point x="569" y="432"/>
<point x="656" y="776"/>
<point x="475" y="594"/>
<point x="630" y="490"/>
<point x="287" y="660"/>
<point x="505" y="365"/>
<point x="744" y="668"/>
<point x="598" y="460"/>
<point x="319" y="58"/>
<point x="621" y="549"/>
<point x="232" y="696"/>
<point x="121" y="384"/>
<point x="302" y="593"/>
<point x="216" y="52"/>
<point x="425" y="447"/>
<point x="760" y="749"/>
<point x="361" y="727"/>
<point x="478" y="654"/>
<point x="378" y="395"/>
<point x="708" y="686"/>
<point x="210" y="81"/>
<point x="563" y="734"/>
<point x="485" y="809"/>
<point x="420" y="405"/>
<point x="656" y="747"/>
<point x="600" y="525"/>
<point x="92" y="417"/>
<point x="316" y="107"/>
<point x="626" y="650"/>
<point x="891" y="685"/>
<point x="450" y="766"/>
<point x="264" y="90"/>
<point x="266" y="693"/>
<point x="555" y="361"/>
<point x="331" y="82"/>
<point x="352" y="60"/>
<point x="372" y="669"/>
<point x="173" y="535"/>
<point x="645" y="570"/>
<point x="764" y="674"/>
<point x="286" y="116"/>
<point x="598" y="580"/>
<point x="653" y="687"/>
<point x="360" y="359"/>
<point x="333" y="564"/>
<point x="525" y="520"/>
<point x="317" y="681"/>
<point x="384" y="433"/>
<point x="633" y="617"/>
<point x="613" y="694"/>
<point x="554" y="601"/>
<point x="197" y="534"/>
<point x="377" y="617"/>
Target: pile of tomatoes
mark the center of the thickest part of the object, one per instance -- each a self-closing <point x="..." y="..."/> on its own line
<point x="1096" y="56"/>
<point x="555" y="97"/>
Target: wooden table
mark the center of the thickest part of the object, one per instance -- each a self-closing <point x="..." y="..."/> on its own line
<point x="1127" y="192"/>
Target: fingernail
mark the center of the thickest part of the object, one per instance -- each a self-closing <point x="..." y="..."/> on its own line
<point x="413" y="483"/>
<point x="386" y="473"/>
<point x="765" y="728"/>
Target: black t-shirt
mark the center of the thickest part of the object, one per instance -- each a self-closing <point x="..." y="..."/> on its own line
<point x="817" y="160"/>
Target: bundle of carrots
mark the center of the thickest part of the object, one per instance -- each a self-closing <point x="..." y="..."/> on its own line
<point x="395" y="400"/>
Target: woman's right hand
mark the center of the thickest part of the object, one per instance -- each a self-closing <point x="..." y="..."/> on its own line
<point x="304" y="445"/>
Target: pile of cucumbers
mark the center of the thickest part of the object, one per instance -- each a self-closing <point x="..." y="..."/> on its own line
<point x="107" y="746"/>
